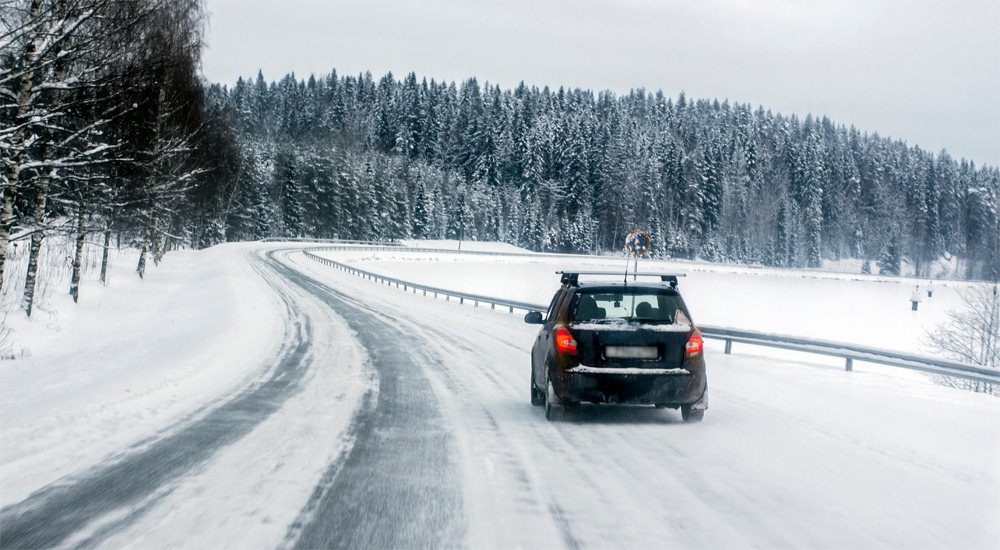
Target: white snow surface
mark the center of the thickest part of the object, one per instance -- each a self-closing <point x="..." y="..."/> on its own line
<point x="476" y="246"/>
<point x="865" y="310"/>
<point x="792" y="453"/>
<point x="673" y="327"/>
<point x="252" y="491"/>
<point x="129" y="362"/>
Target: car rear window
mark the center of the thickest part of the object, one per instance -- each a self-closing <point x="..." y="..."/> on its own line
<point x="639" y="304"/>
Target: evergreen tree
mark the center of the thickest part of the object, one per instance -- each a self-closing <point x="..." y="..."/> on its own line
<point x="356" y="156"/>
<point x="890" y="262"/>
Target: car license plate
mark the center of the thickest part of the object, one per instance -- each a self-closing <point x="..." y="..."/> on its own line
<point x="631" y="352"/>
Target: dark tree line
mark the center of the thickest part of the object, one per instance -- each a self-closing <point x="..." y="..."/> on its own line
<point x="100" y="112"/>
<point x="570" y="170"/>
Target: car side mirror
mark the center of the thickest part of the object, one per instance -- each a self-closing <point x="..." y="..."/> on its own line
<point x="533" y="317"/>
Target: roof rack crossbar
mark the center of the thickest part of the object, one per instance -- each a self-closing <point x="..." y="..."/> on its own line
<point x="573" y="277"/>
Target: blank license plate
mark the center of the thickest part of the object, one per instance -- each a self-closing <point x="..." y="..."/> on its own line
<point x="631" y="352"/>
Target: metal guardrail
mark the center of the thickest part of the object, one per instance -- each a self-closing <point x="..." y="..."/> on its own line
<point x="848" y="352"/>
<point x="387" y="244"/>
<point x="376" y="247"/>
<point x="447" y="294"/>
<point x="851" y="353"/>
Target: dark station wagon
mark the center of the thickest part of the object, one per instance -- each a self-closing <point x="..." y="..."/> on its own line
<point x="618" y="342"/>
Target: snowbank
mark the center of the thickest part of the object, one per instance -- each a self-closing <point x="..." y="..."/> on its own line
<point x="129" y="361"/>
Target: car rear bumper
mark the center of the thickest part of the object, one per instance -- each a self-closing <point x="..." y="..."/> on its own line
<point x="681" y="386"/>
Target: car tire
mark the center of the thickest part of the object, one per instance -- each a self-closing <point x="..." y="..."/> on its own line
<point x="690" y="415"/>
<point x="537" y="395"/>
<point x="554" y="409"/>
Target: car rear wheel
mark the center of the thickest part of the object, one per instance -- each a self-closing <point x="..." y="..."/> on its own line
<point x="554" y="410"/>
<point x="537" y="395"/>
<point x="690" y="415"/>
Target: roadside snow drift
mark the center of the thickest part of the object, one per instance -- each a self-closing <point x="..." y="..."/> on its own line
<point x="129" y="361"/>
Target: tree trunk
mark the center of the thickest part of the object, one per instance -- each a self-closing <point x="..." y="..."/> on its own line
<point x="157" y="249"/>
<point x="74" y="283"/>
<point x="6" y="222"/>
<point x="104" y="255"/>
<point x="41" y="198"/>
<point x="148" y="246"/>
<point x="35" y="250"/>
<point x="28" y="299"/>
<point x="24" y="100"/>
<point x="141" y="268"/>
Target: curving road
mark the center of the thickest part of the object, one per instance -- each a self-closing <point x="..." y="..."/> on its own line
<point x="429" y="441"/>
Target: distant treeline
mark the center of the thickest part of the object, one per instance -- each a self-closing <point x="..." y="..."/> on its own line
<point x="571" y="170"/>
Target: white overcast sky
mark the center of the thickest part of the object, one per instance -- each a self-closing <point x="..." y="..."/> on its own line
<point x="925" y="71"/>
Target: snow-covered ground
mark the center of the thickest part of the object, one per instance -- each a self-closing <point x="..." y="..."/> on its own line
<point x="866" y="310"/>
<point x="129" y="361"/>
<point x="226" y="401"/>
<point x="450" y="244"/>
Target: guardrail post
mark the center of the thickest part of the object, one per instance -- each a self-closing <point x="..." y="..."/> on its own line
<point x="461" y="300"/>
<point x="729" y="347"/>
<point x="512" y="309"/>
<point x="850" y="364"/>
<point x="493" y="306"/>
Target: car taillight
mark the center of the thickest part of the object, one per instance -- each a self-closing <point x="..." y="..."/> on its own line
<point x="565" y="343"/>
<point x="694" y="345"/>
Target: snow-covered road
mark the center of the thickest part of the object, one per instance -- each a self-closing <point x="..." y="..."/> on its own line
<point x="392" y="420"/>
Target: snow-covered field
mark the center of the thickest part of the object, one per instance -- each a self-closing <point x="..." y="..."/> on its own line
<point x="867" y="310"/>
<point x="233" y="401"/>
<point x="447" y="244"/>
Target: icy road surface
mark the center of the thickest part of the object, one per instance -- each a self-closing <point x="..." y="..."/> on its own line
<point x="392" y="420"/>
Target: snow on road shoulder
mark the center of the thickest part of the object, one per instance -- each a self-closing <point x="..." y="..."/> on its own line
<point x="252" y="491"/>
<point x="130" y="361"/>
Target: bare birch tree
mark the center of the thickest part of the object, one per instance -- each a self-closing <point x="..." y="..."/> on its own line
<point x="77" y="75"/>
<point x="973" y="333"/>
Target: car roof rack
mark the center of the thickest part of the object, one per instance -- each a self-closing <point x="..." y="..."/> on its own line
<point x="573" y="277"/>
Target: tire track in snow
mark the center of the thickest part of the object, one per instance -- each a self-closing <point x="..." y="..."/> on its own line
<point x="54" y="513"/>
<point x="398" y="487"/>
<point x="499" y="457"/>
